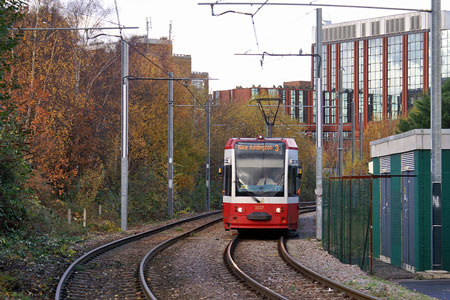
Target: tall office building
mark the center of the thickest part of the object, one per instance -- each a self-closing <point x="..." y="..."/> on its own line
<point x="384" y="65"/>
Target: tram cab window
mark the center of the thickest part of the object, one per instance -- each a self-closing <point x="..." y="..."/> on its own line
<point x="293" y="181"/>
<point x="260" y="169"/>
<point x="227" y="180"/>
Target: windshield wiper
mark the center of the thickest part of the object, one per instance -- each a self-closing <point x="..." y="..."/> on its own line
<point x="254" y="197"/>
<point x="240" y="183"/>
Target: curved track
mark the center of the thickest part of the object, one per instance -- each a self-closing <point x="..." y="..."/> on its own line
<point x="111" y="270"/>
<point x="152" y="253"/>
<point x="352" y="293"/>
<point x="323" y="287"/>
<point x="317" y="282"/>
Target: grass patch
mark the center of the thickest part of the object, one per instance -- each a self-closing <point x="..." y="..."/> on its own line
<point x="385" y="289"/>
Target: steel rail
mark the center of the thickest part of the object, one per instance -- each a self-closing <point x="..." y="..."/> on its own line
<point x="104" y="248"/>
<point x="156" y="250"/>
<point x="352" y="293"/>
<point x="228" y="257"/>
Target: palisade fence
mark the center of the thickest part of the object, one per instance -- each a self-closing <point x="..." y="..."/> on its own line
<point x="346" y="223"/>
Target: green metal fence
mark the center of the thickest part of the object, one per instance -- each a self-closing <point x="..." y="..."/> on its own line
<point x="346" y="223"/>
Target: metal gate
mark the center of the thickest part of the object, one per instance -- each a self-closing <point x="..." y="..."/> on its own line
<point x="408" y="211"/>
<point x="385" y="166"/>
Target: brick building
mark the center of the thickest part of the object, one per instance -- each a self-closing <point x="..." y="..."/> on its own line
<point x="164" y="47"/>
<point x="295" y="95"/>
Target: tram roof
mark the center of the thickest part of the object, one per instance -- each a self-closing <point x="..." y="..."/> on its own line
<point x="290" y="142"/>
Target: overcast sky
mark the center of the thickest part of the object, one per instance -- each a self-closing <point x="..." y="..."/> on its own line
<point x="213" y="41"/>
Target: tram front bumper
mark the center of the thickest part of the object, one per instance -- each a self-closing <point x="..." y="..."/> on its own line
<point x="259" y="216"/>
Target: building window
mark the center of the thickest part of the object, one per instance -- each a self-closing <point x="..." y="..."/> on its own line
<point x="333" y="107"/>
<point x="255" y="93"/>
<point x="283" y="96"/>
<point x="415" y="68"/>
<point x="394" y="82"/>
<point x="324" y="68"/>
<point x="445" y="54"/>
<point x="300" y="107"/>
<point x="333" y="68"/>
<point x="326" y="104"/>
<point x="273" y="93"/>
<point x="375" y="105"/>
<point x="197" y="83"/>
<point x="292" y="104"/>
<point x="348" y="72"/>
<point x="361" y="77"/>
<point x="314" y="106"/>
<point x="329" y="107"/>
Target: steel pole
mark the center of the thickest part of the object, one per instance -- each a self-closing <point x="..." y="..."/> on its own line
<point x="436" y="143"/>
<point x="340" y="129"/>
<point x="353" y="135"/>
<point x="361" y="132"/>
<point x="170" y="150"/>
<point x="124" y="158"/>
<point x="208" y="155"/>
<point x="319" y="124"/>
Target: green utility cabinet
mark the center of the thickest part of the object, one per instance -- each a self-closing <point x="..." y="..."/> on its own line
<point x="401" y="203"/>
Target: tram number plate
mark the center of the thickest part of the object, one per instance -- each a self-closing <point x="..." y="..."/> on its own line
<point x="259" y="207"/>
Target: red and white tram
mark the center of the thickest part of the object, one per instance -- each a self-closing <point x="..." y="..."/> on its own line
<point x="261" y="183"/>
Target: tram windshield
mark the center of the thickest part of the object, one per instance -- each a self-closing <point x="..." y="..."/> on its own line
<point x="260" y="169"/>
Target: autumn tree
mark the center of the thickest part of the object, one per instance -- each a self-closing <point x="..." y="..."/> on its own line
<point x="14" y="169"/>
<point x="67" y="92"/>
<point x="419" y="116"/>
<point x="374" y="130"/>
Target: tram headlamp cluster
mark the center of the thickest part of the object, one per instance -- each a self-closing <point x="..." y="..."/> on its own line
<point x="239" y="209"/>
<point x="279" y="210"/>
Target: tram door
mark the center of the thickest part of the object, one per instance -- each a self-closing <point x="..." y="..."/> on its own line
<point x="408" y="210"/>
<point x="385" y="167"/>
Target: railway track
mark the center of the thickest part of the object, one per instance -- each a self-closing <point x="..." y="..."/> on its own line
<point x="266" y="280"/>
<point x="143" y="275"/>
<point x="111" y="271"/>
<point x="193" y="268"/>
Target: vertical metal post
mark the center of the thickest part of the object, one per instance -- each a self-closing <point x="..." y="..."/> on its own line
<point x="353" y="135"/>
<point x="361" y="133"/>
<point x="124" y="159"/>
<point x="371" y="226"/>
<point x="340" y="129"/>
<point x="436" y="143"/>
<point x="208" y="155"/>
<point x="329" y="214"/>
<point x="350" y="223"/>
<point x="319" y="124"/>
<point x="269" y="131"/>
<point x="170" y="143"/>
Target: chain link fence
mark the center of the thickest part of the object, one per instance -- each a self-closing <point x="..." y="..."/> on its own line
<point x="347" y="219"/>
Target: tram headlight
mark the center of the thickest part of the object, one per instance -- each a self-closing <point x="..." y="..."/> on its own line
<point x="239" y="209"/>
<point x="279" y="210"/>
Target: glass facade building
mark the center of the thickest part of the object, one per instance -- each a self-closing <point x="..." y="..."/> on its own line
<point x="380" y="65"/>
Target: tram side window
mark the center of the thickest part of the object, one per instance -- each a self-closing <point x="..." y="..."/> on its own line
<point x="292" y="181"/>
<point x="227" y="181"/>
